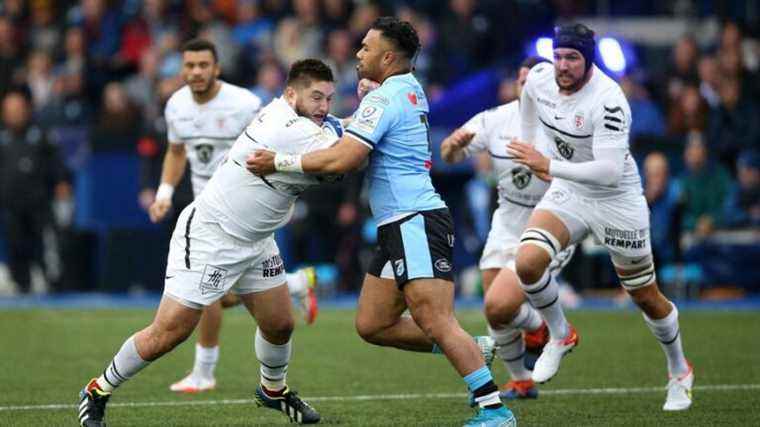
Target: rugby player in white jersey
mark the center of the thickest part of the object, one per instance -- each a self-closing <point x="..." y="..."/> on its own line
<point x="514" y="325"/>
<point x="203" y="120"/>
<point x="223" y="242"/>
<point x="595" y="190"/>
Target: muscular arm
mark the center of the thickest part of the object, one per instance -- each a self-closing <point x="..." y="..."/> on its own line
<point x="606" y="168"/>
<point x="346" y="155"/>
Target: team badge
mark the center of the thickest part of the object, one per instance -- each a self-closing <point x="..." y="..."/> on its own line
<point x="212" y="280"/>
<point x="204" y="152"/>
<point x="521" y="177"/>
<point x="443" y="265"/>
<point x="579" y="121"/>
<point x="565" y="149"/>
<point x="220" y="122"/>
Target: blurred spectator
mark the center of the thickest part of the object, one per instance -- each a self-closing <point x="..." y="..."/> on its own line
<point x="299" y="36"/>
<point x="39" y="78"/>
<point x="342" y="60"/>
<point x="467" y="40"/>
<point x="119" y="123"/>
<point x="663" y="196"/>
<point x="742" y="208"/>
<point x="688" y="113"/>
<point x="361" y="19"/>
<point x="734" y="125"/>
<point x="10" y="59"/>
<point x="709" y="80"/>
<point x="269" y="82"/>
<point x="731" y="38"/>
<point x="649" y="119"/>
<point x="336" y="13"/>
<point x="683" y="69"/>
<point x="44" y="33"/>
<point x="705" y="185"/>
<point x="31" y="176"/>
<point x="141" y="87"/>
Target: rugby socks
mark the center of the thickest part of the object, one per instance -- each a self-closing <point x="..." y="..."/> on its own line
<point x="298" y="283"/>
<point x="667" y="332"/>
<point x="544" y="296"/>
<point x="124" y="366"/>
<point x="510" y="347"/>
<point x="206" y="359"/>
<point x="274" y="362"/>
<point x="484" y="390"/>
<point x="527" y="318"/>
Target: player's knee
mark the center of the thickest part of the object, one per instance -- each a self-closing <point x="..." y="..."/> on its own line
<point x="230" y="300"/>
<point x="367" y="329"/>
<point x="537" y="248"/>
<point x="500" y="311"/>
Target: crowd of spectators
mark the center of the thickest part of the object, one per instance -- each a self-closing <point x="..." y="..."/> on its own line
<point x="103" y="70"/>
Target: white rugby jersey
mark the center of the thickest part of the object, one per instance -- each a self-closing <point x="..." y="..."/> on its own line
<point x="494" y="129"/>
<point x="208" y="130"/>
<point x="598" y="116"/>
<point x="251" y="207"/>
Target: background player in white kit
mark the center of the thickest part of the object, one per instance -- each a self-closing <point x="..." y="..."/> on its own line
<point x="595" y="189"/>
<point x="224" y="242"/>
<point x="204" y="118"/>
<point x="506" y="309"/>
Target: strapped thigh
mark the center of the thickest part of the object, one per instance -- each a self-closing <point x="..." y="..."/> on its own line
<point x="542" y="239"/>
<point x="639" y="279"/>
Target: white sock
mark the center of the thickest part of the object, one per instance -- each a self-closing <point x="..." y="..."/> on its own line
<point x="123" y="366"/>
<point x="667" y="332"/>
<point x="544" y="296"/>
<point x="510" y="347"/>
<point x="206" y="359"/>
<point x="298" y="283"/>
<point x="274" y="361"/>
<point x="527" y="318"/>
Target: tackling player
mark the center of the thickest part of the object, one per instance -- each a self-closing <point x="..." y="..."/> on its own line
<point x="509" y="315"/>
<point x="596" y="189"/>
<point x="224" y="242"/>
<point x="203" y="120"/>
<point x="412" y="266"/>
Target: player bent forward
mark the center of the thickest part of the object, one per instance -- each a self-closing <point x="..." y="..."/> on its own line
<point x="596" y="189"/>
<point x="224" y="241"/>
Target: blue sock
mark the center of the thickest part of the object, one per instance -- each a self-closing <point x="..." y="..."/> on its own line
<point x="478" y="378"/>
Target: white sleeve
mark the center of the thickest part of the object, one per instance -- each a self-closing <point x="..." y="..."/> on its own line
<point x="611" y="119"/>
<point x="528" y="114"/>
<point x="171" y="131"/>
<point x="606" y="168"/>
<point x="305" y="136"/>
<point x="477" y="125"/>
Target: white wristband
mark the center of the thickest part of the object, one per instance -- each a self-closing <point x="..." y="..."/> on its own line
<point x="288" y="163"/>
<point x="165" y="191"/>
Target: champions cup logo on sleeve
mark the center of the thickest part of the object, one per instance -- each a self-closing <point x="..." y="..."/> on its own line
<point x="368" y="118"/>
<point x="212" y="279"/>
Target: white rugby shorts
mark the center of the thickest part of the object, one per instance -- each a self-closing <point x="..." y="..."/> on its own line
<point x="507" y="225"/>
<point x="620" y="223"/>
<point x="205" y="263"/>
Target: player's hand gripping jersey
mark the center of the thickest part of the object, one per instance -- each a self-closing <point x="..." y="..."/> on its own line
<point x="392" y="121"/>
<point x="251" y="207"/>
<point x="589" y="125"/>
<point x="208" y="130"/>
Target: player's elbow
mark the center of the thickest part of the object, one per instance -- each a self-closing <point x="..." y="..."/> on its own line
<point x="612" y="176"/>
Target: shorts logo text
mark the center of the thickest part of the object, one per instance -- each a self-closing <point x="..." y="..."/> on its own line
<point x="626" y="239"/>
<point x="272" y="267"/>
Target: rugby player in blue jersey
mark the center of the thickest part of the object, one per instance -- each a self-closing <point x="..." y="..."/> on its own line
<point x="412" y="267"/>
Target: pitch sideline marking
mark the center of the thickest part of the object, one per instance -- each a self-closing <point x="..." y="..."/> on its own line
<point x="566" y="391"/>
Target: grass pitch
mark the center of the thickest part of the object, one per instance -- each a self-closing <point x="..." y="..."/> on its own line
<point x="615" y="377"/>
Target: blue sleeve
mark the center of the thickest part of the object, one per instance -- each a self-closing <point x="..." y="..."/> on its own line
<point x="373" y="119"/>
<point x="334" y="123"/>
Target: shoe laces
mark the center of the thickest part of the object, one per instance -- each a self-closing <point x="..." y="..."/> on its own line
<point x="292" y="399"/>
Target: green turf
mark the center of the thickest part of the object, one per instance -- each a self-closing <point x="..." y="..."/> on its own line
<point x="47" y="356"/>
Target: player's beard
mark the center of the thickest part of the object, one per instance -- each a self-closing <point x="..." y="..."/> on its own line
<point x="206" y="89"/>
<point x="574" y="86"/>
<point x="301" y="111"/>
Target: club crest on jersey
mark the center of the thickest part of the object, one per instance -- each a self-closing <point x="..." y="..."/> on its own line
<point x="204" y="152"/>
<point x="521" y="177"/>
<point x="578" y="121"/>
<point x="565" y="150"/>
<point x="399" y="267"/>
<point x="220" y="122"/>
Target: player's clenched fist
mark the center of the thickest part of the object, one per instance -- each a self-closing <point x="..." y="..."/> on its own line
<point x="461" y="137"/>
<point x="261" y="162"/>
<point x="159" y="209"/>
<point x="366" y="86"/>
